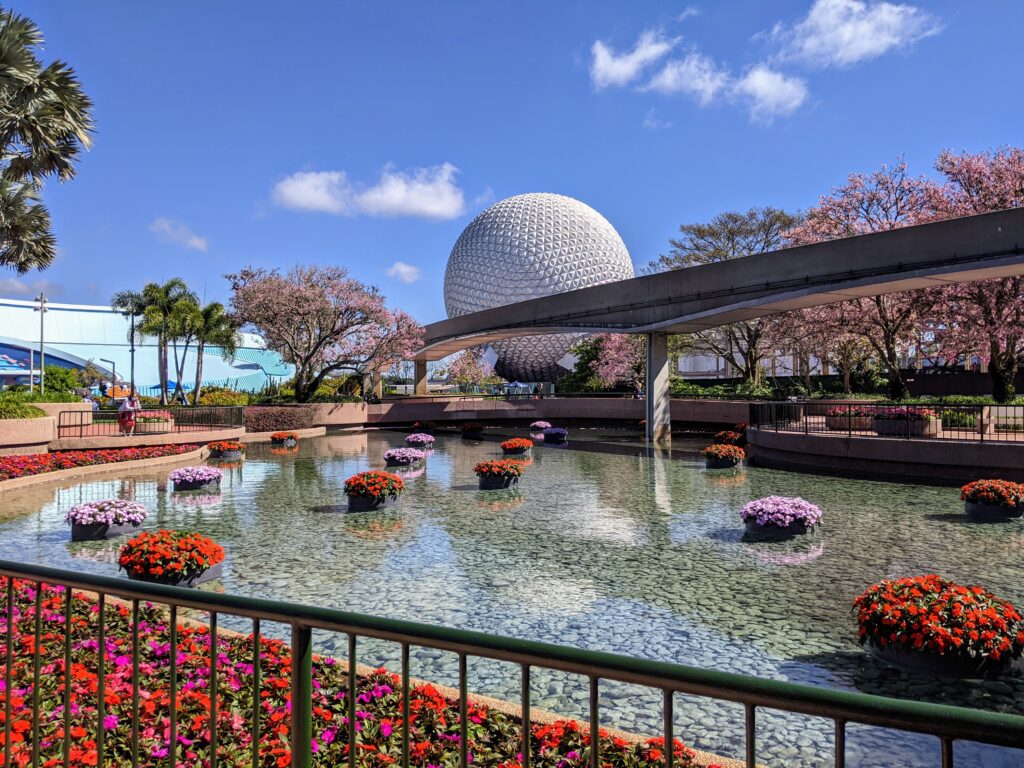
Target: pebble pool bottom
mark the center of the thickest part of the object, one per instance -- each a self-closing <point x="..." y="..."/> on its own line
<point x="599" y="547"/>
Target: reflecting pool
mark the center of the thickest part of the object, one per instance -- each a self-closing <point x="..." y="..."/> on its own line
<point x="599" y="547"/>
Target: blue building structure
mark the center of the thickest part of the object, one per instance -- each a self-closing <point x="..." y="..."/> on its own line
<point x="78" y="334"/>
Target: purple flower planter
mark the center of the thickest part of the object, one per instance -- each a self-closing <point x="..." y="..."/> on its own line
<point x="210" y="574"/>
<point x="196" y="485"/>
<point x="100" y="531"/>
<point x="768" y="532"/>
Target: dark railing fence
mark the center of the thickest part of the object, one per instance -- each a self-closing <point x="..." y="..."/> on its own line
<point x="948" y="724"/>
<point x="936" y="421"/>
<point x="149" y="421"/>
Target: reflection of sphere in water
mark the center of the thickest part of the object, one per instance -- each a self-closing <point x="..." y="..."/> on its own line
<point x="525" y="247"/>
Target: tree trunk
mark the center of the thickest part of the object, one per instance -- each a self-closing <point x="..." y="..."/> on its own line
<point x="1002" y="368"/>
<point x="897" y="387"/>
<point x="162" y="367"/>
<point x="847" y="386"/>
<point x="197" y="391"/>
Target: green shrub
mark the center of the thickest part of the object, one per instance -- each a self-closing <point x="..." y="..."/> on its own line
<point x="952" y="419"/>
<point x="13" y="407"/>
<point x="269" y="418"/>
<point x="222" y="396"/>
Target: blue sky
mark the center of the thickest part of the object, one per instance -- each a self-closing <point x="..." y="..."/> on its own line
<point x="369" y="135"/>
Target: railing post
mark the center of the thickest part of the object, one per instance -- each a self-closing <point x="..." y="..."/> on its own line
<point x="302" y="696"/>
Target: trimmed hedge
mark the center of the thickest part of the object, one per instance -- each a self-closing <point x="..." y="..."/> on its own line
<point x="274" y="418"/>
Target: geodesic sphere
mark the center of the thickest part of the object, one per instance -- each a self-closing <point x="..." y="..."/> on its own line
<point x="525" y="247"/>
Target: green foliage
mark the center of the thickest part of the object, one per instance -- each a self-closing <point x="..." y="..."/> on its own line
<point x="14" y="407"/>
<point x="223" y="396"/>
<point x="61" y="380"/>
<point x="582" y="378"/>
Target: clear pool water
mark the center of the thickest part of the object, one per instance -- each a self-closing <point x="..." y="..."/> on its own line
<point x="600" y="547"/>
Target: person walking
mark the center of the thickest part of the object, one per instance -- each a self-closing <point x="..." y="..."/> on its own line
<point x="126" y="414"/>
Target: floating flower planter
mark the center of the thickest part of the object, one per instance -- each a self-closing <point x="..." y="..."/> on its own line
<point x="541" y="425"/>
<point x="472" y="431"/>
<point x="403" y="457"/>
<point x="425" y="427"/>
<point x="373" y="490"/>
<point x="495" y="475"/>
<point x="228" y="450"/>
<point x="723" y="456"/>
<point x="196" y="478"/>
<point x="852" y="419"/>
<point x="932" y="625"/>
<point x="906" y="421"/>
<point x="107" y="519"/>
<point x="178" y="558"/>
<point x="779" y="517"/>
<point x="993" y="499"/>
<point x="420" y="440"/>
<point x="286" y="439"/>
<point x="555" y="435"/>
<point x="517" y="446"/>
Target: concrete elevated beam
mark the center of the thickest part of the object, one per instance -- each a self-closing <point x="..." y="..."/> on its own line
<point x="686" y="300"/>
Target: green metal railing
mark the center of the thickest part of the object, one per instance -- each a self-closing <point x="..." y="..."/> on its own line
<point x="947" y="723"/>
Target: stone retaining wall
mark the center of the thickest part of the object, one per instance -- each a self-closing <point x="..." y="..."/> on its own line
<point x="23" y="436"/>
<point x="139" y="440"/>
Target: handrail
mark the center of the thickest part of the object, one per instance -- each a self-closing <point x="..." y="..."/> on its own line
<point x="945" y="721"/>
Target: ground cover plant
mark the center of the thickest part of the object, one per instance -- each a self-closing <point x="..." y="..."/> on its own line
<point x="34" y="464"/>
<point x="494" y="737"/>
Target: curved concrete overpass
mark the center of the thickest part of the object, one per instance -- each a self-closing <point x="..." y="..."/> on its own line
<point x="686" y="300"/>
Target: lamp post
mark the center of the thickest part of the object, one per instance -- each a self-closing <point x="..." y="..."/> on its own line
<point x="41" y="309"/>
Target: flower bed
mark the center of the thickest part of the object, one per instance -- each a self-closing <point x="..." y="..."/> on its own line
<point x="472" y="430"/>
<point x="910" y="420"/>
<point x="422" y="439"/>
<point x="403" y="457"/>
<point x="373" y="489"/>
<point x="494" y="737"/>
<point x="516" y="446"/>
<point x="728" y="437"/>
<point x="194" y="478"/>
<point x="183" y="558"/>
<point x="284" y="438"/>
<point x="106" y="519"/>
<point x="503" y="473"/>
<point x="226" y="449"/>
<point x="555" y="434"/>
<point x="149" y="422"/>
<point x="35" y="464"/>
<point x="780" y="516"/>
<point x="993" y="499"/>
<point x="939" y="626"/>
<point x="723" y="456"/>
<point x="540" y="425"/>
<point x="847" y="418"/>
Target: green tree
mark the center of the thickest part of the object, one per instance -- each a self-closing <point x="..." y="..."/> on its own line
<point x="45" y="122"/>
<point x="731" y="235"/>
<point x="216" y="328"/>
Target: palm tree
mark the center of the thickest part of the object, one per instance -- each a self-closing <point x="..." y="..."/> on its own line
<point x="161" y="311"/>
<point x="45" y="122"/>
<point x="131" y="305"/>
<point x="217" y="328"/>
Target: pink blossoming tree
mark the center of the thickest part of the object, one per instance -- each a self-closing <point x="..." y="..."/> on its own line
<point x="323" y="322"/>
<point x="621" y="359"/>
<point x="470" y="369"/>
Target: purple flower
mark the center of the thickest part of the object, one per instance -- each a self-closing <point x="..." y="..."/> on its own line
<point x="107" y="512"/>
<point x="541" y="425"/>
<point x="781" y="511"/>
<point x="404" y="455"/>
<point x="419" y="438"/>
<point x="200" y="474"/>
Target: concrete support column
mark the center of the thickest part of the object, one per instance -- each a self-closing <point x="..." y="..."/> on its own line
<point x="659" y="414"/>
<point x="378" y="383"/>
<point x="420" y="377"/>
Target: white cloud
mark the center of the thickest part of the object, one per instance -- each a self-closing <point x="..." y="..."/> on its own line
<point x="687" y="12"/>
<point x="325" y="191"/>
<point x="429" y="193"/>
<point x="838" y="33"/>
<point x="695" y="75"/>
<point x="654" y="123"/>
<point x="769" y="93"/>
<point x="609" y="68"/>
<point x="178" y="233"/>
<point x="407" y="273"/>
<point x="12" y="287"/>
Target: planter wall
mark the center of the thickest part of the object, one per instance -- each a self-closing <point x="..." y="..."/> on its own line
<point x="515" y="451"/>
<point x="472" y="435"/>
<point x="848" y="423"/>
<point x="198" y="485"/>
<point x="555" y="438"/>
<point x="980" y="511"/>
<point x="226" y="455"/>
<point x="487" y="483"/>
<point x="210" y="574"/>
<point x="941" y="665"/>
<point x="100" y="531"/>
<point x="153" y="427"/>
<point x="284" y="443"/>
<point x="401" y="464"/>
<point x="767" y="532"/>
<point x="25" y="436"/>
<point x="370" y="503"/>
<point x="712" y="463"/>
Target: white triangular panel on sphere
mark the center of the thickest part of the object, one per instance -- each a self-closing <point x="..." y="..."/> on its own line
<point x="529" y="246"/>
